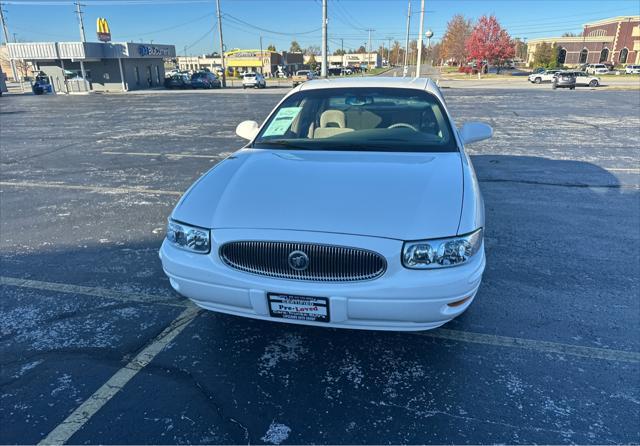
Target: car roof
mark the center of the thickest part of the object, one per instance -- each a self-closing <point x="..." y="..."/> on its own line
<point x="415" y="83"/>
<point x="419" y="83"/>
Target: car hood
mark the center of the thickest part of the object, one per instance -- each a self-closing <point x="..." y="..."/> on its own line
<point x="404" y="196"/>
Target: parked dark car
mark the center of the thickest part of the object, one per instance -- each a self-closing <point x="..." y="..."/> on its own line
<point x="205" y="79"/>
<point x="564" y="79"/>
<point x="41" y="85"/>
<point x="181" y="80"/>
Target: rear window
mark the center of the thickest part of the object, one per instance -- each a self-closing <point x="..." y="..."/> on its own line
<point x="250" y="75"/>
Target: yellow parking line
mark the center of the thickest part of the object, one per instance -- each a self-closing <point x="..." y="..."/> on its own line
<point x="622" y="169"/>
<point x="533" y="344"/>
<point x="92" y="291"/>
<point x="169" y="155"/>
<point x="99" y="189"/>
<point x="440" y="333"/>
<point x="79" y="417"/>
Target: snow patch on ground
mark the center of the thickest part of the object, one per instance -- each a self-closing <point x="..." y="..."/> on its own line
<point x="26" y="367"/>
<point x="277" y="433"/>
<point x="288" y="348"/>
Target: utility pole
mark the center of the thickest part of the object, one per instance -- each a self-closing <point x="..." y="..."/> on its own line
<point x="405" y="69"/>
<point x="83" y="38"/>
<point x="419" y="60"/>
<point x="369" y="53"/>
<point x="224" y="68"/>
<point x="261" y="58"/>
<point x="325" y="59"/>
<point x="6" y="40"/>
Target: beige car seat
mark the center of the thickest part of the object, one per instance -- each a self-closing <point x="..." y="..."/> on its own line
<point x="332" y="122"/>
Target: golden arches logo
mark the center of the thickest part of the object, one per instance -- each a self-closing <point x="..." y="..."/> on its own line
<point x="104" y="34"/>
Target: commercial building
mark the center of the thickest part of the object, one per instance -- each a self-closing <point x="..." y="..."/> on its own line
<point x="360" y="60"/>
<point x="615" y="40"/>
<point x="100" y="66"/>
<point x="240" y="61"/>
<point x="195" y="63"/>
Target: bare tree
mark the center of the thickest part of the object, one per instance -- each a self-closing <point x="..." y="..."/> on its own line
<point x="313" y="49"/>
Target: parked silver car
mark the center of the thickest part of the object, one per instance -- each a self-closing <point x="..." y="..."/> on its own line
<point x="564" y="79"/>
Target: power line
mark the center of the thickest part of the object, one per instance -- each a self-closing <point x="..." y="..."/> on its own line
<point x="170" y="27"/>
<point x="269" y="31"/>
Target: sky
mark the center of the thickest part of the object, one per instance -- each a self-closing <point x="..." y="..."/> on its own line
<point x="191" y="25"/>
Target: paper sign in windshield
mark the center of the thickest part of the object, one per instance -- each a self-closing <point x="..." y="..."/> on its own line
<point x="281" y="123"/>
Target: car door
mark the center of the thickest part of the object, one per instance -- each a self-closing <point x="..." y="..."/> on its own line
<point x="581" y="78"/>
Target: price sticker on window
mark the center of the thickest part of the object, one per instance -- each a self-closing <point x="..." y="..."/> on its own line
<point x="282" y="121"/>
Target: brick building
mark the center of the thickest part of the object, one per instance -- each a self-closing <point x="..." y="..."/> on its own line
<point x="615" y="40"/>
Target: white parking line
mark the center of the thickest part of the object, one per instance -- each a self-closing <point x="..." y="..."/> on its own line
<point x="440" y="333"/>
<point x="79" y="417"/>
<point x="168" y="155"/>
<point x="92" y="291"/>
<point x="99" y="189"/>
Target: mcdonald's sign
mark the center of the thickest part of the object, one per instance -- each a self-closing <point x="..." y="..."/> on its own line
<point x="104" y="34"/>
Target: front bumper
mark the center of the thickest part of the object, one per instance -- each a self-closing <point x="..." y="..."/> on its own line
<point x="401" y="299"/>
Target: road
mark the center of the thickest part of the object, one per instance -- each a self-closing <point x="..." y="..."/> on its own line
<point x="95" y="347"/>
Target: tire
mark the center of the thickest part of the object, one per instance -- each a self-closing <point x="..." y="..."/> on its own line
<point x="537" y="80"/>
<point x="593" y="83"/>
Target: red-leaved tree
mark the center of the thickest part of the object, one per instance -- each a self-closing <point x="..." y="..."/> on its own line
<point x="489" y="43"/>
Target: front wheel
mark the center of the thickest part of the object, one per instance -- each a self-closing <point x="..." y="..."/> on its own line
<point x="593" y="83"/>
<point x="537" y="80"/>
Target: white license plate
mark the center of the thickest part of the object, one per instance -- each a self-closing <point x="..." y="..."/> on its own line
<point x="303" y="308"/>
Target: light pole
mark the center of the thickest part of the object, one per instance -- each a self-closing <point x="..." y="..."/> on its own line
<point x="405" y="69"/>
<point x="419" y="58"/>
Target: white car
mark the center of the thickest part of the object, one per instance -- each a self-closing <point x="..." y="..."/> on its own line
<point x="632" y="69"/>
<point x="253" y="80"/>
<point x="354" y="205"/>
<point x="543" y="76"/>
<point x="597" y="68"/>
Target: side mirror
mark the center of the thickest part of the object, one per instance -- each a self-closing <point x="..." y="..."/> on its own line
<point x="475" y="131"/>
<point x="247" y="129"/>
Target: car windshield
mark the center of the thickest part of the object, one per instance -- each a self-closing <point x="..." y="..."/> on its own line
<point x="359" y="119"/>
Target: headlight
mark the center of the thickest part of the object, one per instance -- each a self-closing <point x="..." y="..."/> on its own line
<point x="441" y="253"/>
<point x="189" y="238"/>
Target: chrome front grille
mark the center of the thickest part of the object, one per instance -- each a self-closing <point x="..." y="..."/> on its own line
<point x="326" y="263"/>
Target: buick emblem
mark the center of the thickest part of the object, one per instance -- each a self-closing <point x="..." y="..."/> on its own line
<point x="298" y="260"/>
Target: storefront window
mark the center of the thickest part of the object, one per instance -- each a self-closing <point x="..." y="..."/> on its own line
<point x="136" y="72"/>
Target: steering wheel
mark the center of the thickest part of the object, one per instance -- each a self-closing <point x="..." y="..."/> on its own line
<point x="402" y="125"/>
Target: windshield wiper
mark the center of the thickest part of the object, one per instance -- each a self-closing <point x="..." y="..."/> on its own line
<point x="281" y="143"/>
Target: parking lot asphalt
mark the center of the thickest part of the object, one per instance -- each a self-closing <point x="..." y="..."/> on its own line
<point x="95" y="347"/>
